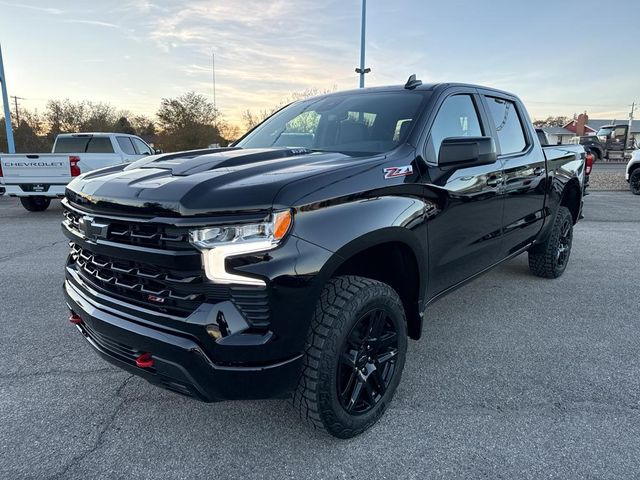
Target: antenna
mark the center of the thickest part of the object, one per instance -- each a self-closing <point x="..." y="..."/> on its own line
<point x="412" y="82"/>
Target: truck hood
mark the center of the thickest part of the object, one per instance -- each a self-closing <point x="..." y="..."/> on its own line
<point x="195" y="183"/>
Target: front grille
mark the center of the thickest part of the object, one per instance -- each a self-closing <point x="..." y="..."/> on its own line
<point x="165" y="237"/>
<point x="176" y="292"/>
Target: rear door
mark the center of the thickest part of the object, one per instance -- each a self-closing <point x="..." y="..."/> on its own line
<point x="524" y="170"/>
<point x="465" y="233"/>
<point x="129" y="153"/>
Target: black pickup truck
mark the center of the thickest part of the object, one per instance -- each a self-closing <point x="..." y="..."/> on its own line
<point x="301" y="260"/>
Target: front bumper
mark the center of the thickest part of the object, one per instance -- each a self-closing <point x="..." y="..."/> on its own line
<point x="179" y="363"/>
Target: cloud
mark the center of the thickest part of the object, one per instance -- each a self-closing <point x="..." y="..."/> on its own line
<point x="49" y="10"/>
<point x="96" y="23"/>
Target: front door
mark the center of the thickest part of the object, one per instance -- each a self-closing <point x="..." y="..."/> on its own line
<point x="464" y="233"/>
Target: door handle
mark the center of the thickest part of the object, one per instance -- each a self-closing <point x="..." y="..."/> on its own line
<point x="494" y="181"/>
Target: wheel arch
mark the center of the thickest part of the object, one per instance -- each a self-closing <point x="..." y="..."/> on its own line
<point x="572" y="198"/>
<point x="393" y="256"/>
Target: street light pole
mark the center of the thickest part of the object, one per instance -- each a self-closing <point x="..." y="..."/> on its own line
<point x="213" y="71"/>
<point x="5" y="102"/>
<point x="362" y="70"/>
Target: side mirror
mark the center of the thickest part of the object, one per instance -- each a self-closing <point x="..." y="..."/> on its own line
<point x="157" y="151"/>
<point x="462" y="152"/>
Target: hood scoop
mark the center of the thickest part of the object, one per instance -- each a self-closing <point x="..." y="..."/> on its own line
<point x="189" y="164"/>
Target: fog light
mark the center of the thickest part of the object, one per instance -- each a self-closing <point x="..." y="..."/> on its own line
<point x="214" y="331"/>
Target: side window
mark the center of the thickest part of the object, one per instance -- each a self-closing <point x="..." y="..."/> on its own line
<point x="508" y="125"/>
<point x="457" y="117"/>
<point x="100" y="145"/>
<point x="141" y="147"/>
<point x="126" y="145"/>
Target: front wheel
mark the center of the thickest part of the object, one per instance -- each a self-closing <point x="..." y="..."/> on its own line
<point x="550" y="258"/>
<point x="634" y="181"/>
<point x="35" y="204"/>
<point x="354" y="357"/>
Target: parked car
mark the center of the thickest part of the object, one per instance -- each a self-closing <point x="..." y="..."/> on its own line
<point x="633" y="172"/>
<point x="37" y="178"/>
<point x="302" y="259"/>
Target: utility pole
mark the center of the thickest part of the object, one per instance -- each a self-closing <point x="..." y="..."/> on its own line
<point x="362" y="70"/>
<point x="15" y="102"/>
<point x="5" y="102"/>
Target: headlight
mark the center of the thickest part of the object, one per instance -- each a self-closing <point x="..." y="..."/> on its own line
<point x="218" y="243"/>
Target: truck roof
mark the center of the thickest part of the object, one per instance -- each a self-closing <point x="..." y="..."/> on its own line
<point x="423" y="87"/>
<point x="93" y="134"/>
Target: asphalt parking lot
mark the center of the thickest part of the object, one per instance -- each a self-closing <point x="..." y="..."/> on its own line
<point x="516" y="377"/>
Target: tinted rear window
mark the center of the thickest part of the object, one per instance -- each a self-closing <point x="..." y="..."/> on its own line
<point x="100" y="145"/>
<point x="508" y="125"/>
<point x="71" y="145"/>
<point x="126" y="145"/>
<point x="83" y="145"/>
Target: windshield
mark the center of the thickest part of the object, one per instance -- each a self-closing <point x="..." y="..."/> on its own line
<point x="604" y="132"/>
<point x="354" y="124"/>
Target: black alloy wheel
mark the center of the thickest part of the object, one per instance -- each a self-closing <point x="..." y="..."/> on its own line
<point x="354" y="356"/>
<point x="564" y="242"/>
<point x="367" y="362"/>
<point x="549" y="259"/>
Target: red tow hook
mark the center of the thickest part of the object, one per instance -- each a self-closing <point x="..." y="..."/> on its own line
<point x="75" y="319"/>
<point x="145" y="360"/>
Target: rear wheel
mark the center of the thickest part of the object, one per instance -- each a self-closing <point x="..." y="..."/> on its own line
<point x="354" y="357"/>
<point x="634" y="181"/>
<point x="550" y="259"/>
<point x="35" y="204"/>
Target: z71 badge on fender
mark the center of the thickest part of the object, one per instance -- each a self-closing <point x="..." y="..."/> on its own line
<point x="393" y="172"/>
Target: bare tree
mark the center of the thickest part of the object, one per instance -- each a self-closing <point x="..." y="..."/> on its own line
<point x="252" y="118"/>
<point x="188" y="122"/>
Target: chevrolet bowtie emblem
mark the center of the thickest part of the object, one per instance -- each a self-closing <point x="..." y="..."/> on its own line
<point x="91" y="229"/>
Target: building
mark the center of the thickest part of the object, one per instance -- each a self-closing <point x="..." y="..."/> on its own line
<point x="564" y="134"/>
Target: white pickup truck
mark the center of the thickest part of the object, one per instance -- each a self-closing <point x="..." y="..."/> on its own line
<point x="37" y="178"/>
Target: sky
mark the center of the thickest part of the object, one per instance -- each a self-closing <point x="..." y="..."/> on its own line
<point x="560" y="57"/>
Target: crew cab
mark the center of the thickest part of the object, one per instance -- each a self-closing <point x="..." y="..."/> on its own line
<point x="301" y="260"/>
<point x="632" y="173"/>
<point x="36" y="178"/>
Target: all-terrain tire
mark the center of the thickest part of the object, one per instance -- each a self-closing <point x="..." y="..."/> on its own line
<point x="634" y="181"/>
<point x="344" y="302"/>
<point x="35" y="204"/>
<point x="550" y="259"/>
